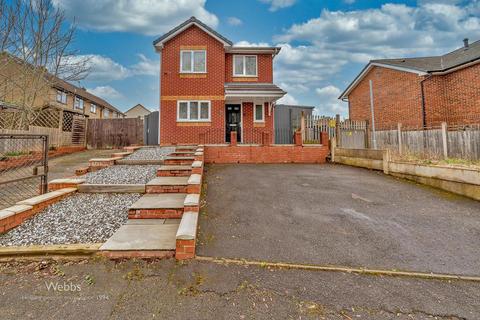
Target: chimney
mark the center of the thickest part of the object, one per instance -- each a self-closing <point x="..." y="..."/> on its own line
<point x="465" y="43"/>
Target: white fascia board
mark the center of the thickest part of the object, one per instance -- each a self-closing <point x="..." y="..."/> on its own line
<point x="160" y="44"/>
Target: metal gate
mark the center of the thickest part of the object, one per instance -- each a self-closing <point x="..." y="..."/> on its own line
<point x="23" y="167"/>
<point x="150" y="128"/>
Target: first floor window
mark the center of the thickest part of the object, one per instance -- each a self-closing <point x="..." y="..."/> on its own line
<point x="61" y="97"/>
<point x="245" y="66"/>
<point x="106" y="113"/>
<point x="259" y="113"/>
<point x="93" y="108"/>
<point x="78" y="103"/>
<point x="193" y="111"/>
<point x="193" y="61"/>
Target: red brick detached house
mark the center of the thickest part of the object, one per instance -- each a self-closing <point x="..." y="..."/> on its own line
<point x="209" y="87"/>
<point x="419" y="91"/>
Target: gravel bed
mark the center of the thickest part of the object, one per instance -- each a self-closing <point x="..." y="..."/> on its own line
<point x="81" y="218"/>
<point x="155" y="153"/>
<point x="123" y="174"/>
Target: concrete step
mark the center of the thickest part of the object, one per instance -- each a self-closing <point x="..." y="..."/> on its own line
<point x="158" y="206"/>
<point x="153" y="236"/>
<point x="167" y="185"/>
<point x="174" y="171"/>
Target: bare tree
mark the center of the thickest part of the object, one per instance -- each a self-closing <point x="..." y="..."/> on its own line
<point x="36" y="53"/>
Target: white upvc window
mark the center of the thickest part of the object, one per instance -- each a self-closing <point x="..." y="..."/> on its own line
<point x="78" y="104"/>
<point x="93" y="108"/>
<point x="195" y="111"/>
<point x="259" y="113"/>
<point x="106" y="113"/>
<point x="193" y="61"/>
<point x="61" y="96"/>
<point x="244" y="66"/>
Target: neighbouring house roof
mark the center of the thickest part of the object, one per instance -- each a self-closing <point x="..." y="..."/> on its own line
<point x="158" y="43"/>
<point x="188" y="23"/>
<point x="243" y="89"/>
<point x="458" y="58"/>
<point x="83" y="93"/>
<point x="138" y="105"/>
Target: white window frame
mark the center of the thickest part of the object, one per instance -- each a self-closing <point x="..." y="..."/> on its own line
<point x="106" y="113"/>
<point x="192" y="70"/>
<point x="243" y="74"/>
<point x="93" y="108"/>
<point x="80" y="104"/>
<point x="63" y="97"/>
<point x="255" y="115"/>
<point x="199" y="111"/>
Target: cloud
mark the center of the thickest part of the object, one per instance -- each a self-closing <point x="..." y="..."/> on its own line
<point x="279" y="4"/>
<point x="105" y="92"/>
<point x="234" y="21"/>
<point x="146" y="66"/>
<point x="287" y="99"/>
<point x="150" y="17"/>
<point x="328" y="103"/>
<point x="104" y="69"/>
<point x="251" y="44"/>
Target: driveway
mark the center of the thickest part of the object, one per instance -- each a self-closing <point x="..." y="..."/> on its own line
<point x="337" y="215"/>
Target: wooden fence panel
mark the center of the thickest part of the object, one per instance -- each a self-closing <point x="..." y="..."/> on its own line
<point x="114" y="133"/>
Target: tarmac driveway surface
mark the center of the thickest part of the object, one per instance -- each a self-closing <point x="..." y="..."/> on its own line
<point x="337" y="215"/>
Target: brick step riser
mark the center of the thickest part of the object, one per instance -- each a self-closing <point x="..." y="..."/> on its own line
<point x="174" y="173"/>
<point x="178" y="162"/>
<point x="178" y="154"/>
<point x="166" y="189"/>
<point x="156" y="213"/>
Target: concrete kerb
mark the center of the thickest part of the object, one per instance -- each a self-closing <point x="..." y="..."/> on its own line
<point x="81" y="249"/>
<point x="345" y="269"/>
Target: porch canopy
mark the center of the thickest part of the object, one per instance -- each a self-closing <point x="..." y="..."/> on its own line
<point x="252" y="92"/>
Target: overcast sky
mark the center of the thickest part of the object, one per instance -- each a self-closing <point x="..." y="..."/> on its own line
<point x="325" y="43"/>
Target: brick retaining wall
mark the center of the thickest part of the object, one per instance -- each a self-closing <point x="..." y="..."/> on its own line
<point x="266" y="154"/>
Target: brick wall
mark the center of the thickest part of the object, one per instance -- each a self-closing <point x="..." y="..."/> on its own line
<point x="453" y="98"/>
<point x="264" y="69"/>
<point x="266" y="154"/>
<point x="397" y="98"/>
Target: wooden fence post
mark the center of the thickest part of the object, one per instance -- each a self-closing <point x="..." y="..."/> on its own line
<point x="302" y="126"/>
<point x="333" y="146"/>
<point x="337" y="130"/>
<point x="399" y="129"/>
<point x="444" y="140"/>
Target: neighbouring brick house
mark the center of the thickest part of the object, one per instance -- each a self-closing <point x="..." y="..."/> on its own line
<point x="209" y="87"/>
<point x="419" y="91"/>
<point x="55" y="94"/>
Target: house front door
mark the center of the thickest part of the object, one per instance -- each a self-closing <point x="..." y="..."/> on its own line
<point x="233" y="121"/>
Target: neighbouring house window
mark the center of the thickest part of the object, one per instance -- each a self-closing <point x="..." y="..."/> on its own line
<point x="245" y="66"/>
<point x="93" y="108"/>
<point x="61" y="97"/>
<point x="106" y="113"/>
<point x="78" y="103"/>
<point x="193" y="61"/>
<point x="193" y="111"/>
<point x="259" y="113"/>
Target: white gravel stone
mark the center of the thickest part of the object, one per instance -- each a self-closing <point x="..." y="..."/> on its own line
<point x="123" y="174"/>
<point x="81" y="218"/>
<point x="153" y="153"/>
